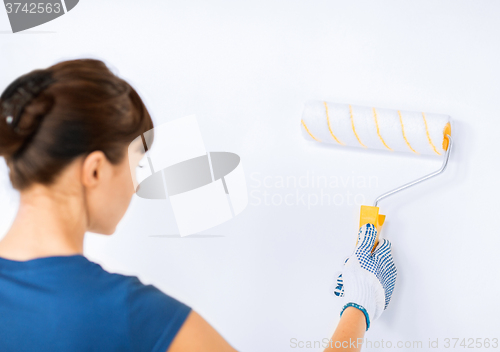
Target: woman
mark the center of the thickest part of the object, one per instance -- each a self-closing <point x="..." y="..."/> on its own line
<point x="65" y="133"/>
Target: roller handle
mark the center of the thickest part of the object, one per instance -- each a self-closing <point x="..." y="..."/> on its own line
<point x="370" y="215"/>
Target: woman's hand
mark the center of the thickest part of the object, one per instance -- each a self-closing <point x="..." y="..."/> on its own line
<point x="366" y="283"/>
<point x="367" y="279"/>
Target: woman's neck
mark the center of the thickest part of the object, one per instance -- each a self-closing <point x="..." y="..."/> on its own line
<point x="49" y="222"/>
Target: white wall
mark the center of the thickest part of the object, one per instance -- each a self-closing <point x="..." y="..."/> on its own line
<point x="245" y="69"/>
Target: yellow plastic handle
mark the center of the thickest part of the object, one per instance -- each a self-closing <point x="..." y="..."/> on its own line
<point x="370" y="215"/>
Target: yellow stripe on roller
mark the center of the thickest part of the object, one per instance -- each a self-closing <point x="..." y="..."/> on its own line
<point x="330" y="127"/>
<point x="353" y="128"/>
<point x="404" y="135"/>
<point x="429" y="136"/>
<point x="378" y="129"/>
<point x="307" y="130"/>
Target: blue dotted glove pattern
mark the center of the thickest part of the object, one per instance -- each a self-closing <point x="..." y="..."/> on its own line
<point x="380" y="262"/>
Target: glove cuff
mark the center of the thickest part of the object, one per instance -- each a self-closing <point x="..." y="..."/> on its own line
<point x="361" y="308"/>
<point x="364" y="289"/>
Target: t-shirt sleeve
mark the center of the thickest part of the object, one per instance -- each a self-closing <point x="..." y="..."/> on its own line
<point x="154" y="317"/>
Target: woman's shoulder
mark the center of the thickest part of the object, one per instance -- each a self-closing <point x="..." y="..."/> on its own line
<point x="125" y="283"/>
<point x="137" y="291"/>
<point x="153" y="315"/>
<point x="96" y="273"/>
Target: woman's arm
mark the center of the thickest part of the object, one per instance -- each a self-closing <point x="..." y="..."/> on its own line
<point x="196" y="334"/>
<point x="366" y="284"/>
<point x="352" y="326"/>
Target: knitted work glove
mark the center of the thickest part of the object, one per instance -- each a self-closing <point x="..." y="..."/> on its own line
<point x="367" y="279"/>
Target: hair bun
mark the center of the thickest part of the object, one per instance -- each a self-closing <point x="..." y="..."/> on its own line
<point x="22" y="109"/>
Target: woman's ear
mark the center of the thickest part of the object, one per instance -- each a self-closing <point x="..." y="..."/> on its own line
<point x="93" y="168"/>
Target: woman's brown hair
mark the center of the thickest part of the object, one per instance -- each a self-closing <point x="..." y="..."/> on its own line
<point x="48" y="117"/>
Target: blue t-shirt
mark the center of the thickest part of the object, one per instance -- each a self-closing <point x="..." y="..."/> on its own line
<point x="68" y="303"/>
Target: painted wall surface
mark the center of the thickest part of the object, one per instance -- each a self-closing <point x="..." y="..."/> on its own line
<point x="245" y="69"/>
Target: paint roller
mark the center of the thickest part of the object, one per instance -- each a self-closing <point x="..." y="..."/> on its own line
<point x="383" y="129"/>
